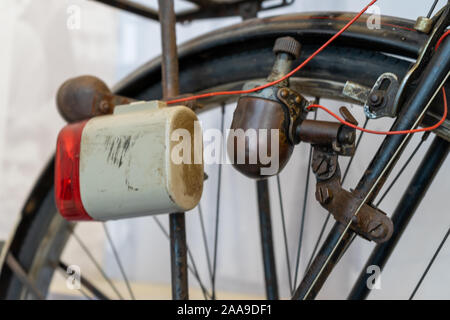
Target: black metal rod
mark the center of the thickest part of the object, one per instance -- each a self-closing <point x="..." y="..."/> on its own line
<point x="406" y="208"/>
<point x="433" y="75"/>
<point x="313" y="271"/>
<point x="170" y="86"/>
<point x="385" y="159"/>
<point x="169" y="66"/>
<point x="265" y="224"/>
<point x="132" y="7"/>
<point x="178" y="256"/>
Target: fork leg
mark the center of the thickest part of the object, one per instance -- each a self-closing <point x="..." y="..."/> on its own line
<point x="408" y="204"/>
<point x="170" y="86"/>
<point x="265" y="223"/>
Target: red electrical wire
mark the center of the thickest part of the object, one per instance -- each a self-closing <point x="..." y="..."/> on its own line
<point x="224" y="93"/>
<point x="437" y="125"/>
<point x="386" y="132"/>
<point x="238" y="92"/>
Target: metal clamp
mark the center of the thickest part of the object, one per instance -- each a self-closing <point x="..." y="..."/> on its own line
<point x="370" y="223"/>
<point x="381" y="99"/>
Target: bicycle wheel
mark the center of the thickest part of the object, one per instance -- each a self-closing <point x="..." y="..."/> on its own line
<point x="218" y="61"/>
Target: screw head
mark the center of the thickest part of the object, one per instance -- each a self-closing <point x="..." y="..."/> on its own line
<point x="104" y="106"/>
<point x="324" y="195"/>
<point x="377" y="230"/>
<point x="376" y="99"/>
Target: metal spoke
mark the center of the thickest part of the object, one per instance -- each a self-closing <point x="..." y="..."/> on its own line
<point x="422" y="140"/>
<point x="432" y="8"/>
<point x="430" y="264"/>
<point x="316" y="246"/>
<point x="193" y="269"/>
<point x="96" y="264"/>
<point x="356" y="148"/>
<point x="118" y="261"/>
<point x="344" y="176"/>
<point x="305" y="200"/>
<point x="205" y="241"/>
<point x="216" y="233"/>
<point x="84" y="294"/>
<point x="23" y="276"/>
<point x="283" y="223"/>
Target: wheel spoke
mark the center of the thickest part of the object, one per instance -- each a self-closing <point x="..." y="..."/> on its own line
<point x="305" y="201"/>
<point x="216" y="231"/>
<point x="283" y="223"/>
<point x="96" y="264"/>
<point x="424" y="137"/>
<point x="205" y="241"/>
<point x="430" y="264"/>
<point x="193" y="269"/>
<point x="344" y="176"/>
<point x="118" y="260"/>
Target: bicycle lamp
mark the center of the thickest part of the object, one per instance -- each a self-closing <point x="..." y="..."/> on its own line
<point x="274" y="110"/>
<point x="278" y="110"/>
<point x="144" y="159"/>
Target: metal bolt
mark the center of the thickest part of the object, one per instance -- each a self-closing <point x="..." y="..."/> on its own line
<point x="376" y="99"/>
<point x="377" y="230"/>
<point x="104" y="106"/>
<point x="324" y="195"/>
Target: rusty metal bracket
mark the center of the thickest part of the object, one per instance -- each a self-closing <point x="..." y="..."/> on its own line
<point x="85" y="97"/>
<point x="381" y="99"/>
<point x="296" y="105"/>
<point x="370" y="223"/>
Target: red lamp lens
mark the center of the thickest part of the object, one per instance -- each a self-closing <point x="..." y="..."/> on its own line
<point x="67" y="170"/>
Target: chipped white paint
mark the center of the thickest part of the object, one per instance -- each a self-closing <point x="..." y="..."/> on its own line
<point x="125" y="164"/>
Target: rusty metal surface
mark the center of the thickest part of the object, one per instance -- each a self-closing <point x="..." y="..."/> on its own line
<point x="319" y="132"/>
<point x="370" y="222"/>
<point x="381" y="99"/>
<point x="85" y="97"/>
<point x="296" y="105"/>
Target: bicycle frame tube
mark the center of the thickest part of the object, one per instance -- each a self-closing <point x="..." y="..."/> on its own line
<point x="434" y="75"/>
<point x="416" y="190"/>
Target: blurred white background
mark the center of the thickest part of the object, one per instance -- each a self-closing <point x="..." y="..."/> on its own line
<point x="40" y="51"/>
